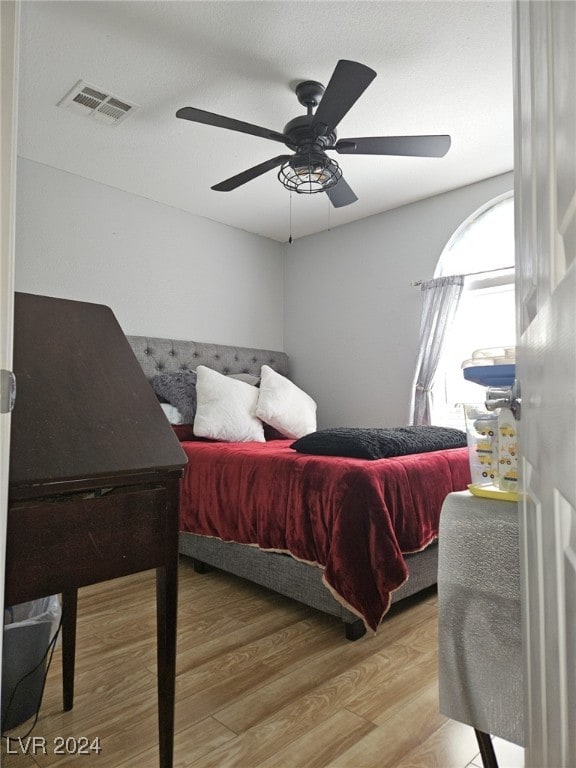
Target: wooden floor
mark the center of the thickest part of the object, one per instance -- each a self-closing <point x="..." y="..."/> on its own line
<point x="262" y="682"/>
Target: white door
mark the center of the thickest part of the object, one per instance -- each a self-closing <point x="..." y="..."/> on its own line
<point x="9" y="23"/>
<point x="545" y="195"/>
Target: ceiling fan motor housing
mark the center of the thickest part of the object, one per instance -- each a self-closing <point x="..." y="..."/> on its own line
<point x="302" y="132"/>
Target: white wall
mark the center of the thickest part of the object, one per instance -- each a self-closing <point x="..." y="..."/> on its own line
<point x="352" y="319"/>
<point x="164" y="272"/>
<point x="339" y="303"/>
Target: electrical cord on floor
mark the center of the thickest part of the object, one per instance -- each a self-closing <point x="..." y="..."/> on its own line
<point x="48" y="654"/>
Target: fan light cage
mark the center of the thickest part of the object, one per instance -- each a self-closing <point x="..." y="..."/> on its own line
<point x="309" y="172"/>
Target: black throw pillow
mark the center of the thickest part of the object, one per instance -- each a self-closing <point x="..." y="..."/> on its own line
<point x="379" y="443"/>
<point x="179" y="389"/>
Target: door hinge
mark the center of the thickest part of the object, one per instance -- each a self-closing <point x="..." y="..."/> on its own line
<point x="7" y="391"/>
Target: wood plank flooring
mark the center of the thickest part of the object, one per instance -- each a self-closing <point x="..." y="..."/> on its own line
<point x="262" y="682"/>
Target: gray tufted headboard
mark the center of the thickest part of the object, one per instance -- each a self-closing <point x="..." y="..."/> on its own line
<point x="166" y="355"/>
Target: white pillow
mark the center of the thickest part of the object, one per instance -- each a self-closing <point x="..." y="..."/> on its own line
<point x="226" y="408"/>
<point x="285" y="406"/>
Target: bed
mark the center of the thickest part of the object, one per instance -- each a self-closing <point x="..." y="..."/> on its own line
<point x="315" y="530"/>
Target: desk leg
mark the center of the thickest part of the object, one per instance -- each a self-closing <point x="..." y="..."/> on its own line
<point x="166" y="605"/>
<point x="69" y="606"/>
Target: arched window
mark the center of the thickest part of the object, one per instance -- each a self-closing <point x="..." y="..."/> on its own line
<point x="482" y="248"/>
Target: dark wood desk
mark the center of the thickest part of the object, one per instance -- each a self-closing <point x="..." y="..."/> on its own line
<point x="94" y="476"/>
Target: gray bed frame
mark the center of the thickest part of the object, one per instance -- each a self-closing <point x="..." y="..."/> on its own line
<point x="278" y="572"/>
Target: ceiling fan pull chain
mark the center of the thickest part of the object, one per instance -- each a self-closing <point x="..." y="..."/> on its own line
<point x="290" y="237"/>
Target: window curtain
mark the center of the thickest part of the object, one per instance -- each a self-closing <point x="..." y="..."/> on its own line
<point x="441" y="297"/>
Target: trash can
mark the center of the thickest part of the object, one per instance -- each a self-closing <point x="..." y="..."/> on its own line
<point x="29" y="629"/>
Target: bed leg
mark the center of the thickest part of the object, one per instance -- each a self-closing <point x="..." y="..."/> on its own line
<point x="199" y="566"/>
<point x="355" y="630"/>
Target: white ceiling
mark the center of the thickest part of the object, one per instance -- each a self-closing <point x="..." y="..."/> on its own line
<point x="442" y="67"/>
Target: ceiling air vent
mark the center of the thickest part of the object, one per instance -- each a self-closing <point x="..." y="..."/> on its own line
<point x="87" y="100"/>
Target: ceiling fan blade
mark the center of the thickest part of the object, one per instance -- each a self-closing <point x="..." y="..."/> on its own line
<point x="341" y="194"/>
<point x="252" y="173"/>
<point x="210" y="118"/>
<point x="348" y="82"/>
<point x="413" y="146"/>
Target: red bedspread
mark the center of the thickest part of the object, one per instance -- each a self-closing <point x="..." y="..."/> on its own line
<point x="352" y="517"/>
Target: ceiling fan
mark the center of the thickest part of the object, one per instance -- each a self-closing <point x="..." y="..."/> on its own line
<point x="310" y="136"/>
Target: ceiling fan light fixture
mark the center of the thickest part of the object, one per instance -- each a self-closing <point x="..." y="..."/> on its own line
<point x="309" y="172"/>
